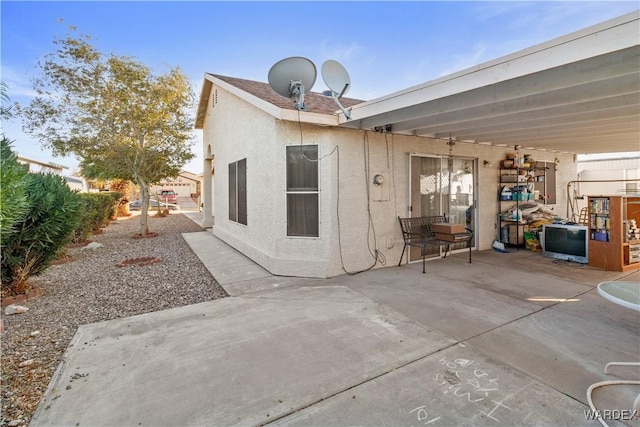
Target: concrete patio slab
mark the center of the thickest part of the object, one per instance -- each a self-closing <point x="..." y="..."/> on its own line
<point x="520" y="284"/>
<point x="568" y="345"/>
<point x="263" y="284"/>
<point x="238" y="360"/>
<point x="534" y="262"/>
<point x="454" y="307"/>
<point x="323" y="290"/>
<point x="229" y="265"/>
<point x="459" y="386"/>
<point x="488" y="343"/>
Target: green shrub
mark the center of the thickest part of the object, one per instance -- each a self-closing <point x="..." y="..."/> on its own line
<point x="13" y="201"/>
<point x="96" y="211"/>
<point x="47" y="226"/>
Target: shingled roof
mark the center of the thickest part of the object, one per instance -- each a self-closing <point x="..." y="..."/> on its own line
<point x="315" y="102"/>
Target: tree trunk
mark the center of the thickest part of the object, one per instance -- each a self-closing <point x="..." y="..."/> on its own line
<point x="144" y="210"/>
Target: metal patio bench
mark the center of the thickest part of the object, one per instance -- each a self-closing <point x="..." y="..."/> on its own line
<point x="417" y="232"/>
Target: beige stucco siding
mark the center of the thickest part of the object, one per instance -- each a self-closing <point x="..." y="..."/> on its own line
<point x="235" y="129"/>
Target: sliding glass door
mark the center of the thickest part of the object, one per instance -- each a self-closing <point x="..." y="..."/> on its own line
<point x="442" y="186"/>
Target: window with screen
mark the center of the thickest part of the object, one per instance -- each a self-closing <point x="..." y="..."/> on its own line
<point x="238" y="191"/>
<point x="302" y="191"/>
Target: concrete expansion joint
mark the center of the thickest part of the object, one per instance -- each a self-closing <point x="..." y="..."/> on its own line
<point x="320" y="299"/>
<point x="358" y="384"/>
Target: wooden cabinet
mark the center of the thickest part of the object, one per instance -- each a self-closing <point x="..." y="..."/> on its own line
<point x="613" y="235"/>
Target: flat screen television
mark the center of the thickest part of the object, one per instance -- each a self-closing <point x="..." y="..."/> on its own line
<point x="566" y="242"/>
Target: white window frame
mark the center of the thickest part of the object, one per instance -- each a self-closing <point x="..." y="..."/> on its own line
<point x="293" y="192"/>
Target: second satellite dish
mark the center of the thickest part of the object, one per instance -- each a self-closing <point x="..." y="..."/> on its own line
<point x="337" y="78"/>
<point x="292" y="78"/>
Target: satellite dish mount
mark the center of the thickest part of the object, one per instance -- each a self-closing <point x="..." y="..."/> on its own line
<point x="337" y="78"/>
<point x="296" y="93"/>
<point x="292" y="77"/>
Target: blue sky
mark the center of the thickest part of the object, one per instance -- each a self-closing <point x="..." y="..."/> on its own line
<point x="385" y="46"/>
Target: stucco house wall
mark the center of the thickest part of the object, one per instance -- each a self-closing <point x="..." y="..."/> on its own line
<point x="235" y="129"/>
<point x="389" y="156"/>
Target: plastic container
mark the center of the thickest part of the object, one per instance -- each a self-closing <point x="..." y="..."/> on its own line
<point x="505" y="194"/>
<point x="517" y="215"/>
<point x="504" y="234"/>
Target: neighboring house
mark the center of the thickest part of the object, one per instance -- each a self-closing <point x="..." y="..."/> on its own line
<point x="77" y="183"/>
<point x="97" y="185"/>
<point x="186" y="184"/>
<point x="613" y="175"/>
<point x="609" y="176"/>
<point x="36" y="166"/>
<point x="310" y="193"/>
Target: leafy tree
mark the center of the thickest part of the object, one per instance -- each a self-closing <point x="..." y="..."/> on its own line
<point x="119" y="119"/>
<point x="5" y="111"/>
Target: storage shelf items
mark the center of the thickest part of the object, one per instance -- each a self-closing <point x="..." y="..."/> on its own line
<point x="614" y="238"/>
<point x="520" y="182"/>
<point x="599" y="219"/>
<point x="544" y="182"/>
<point x="513" y="190"/>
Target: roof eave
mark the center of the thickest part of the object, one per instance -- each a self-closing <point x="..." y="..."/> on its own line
<point x="269" y="108"/>
<point x="202" y="104"/>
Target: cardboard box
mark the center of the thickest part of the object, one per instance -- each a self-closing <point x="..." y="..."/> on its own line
<point x="519" y="233"/>
<point x="445" y="228"/>
<point x="452" y="237"/>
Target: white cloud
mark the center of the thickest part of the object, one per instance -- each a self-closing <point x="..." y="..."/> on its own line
<point x="18" y="83"/>
<point x="488" y="11"/>
<point x="533" y="22"/>
<point x="465" y="60"/>
<point x="340" y="51"/>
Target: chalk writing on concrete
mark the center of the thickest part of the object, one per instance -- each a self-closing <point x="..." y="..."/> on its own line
<point x="423" y="415"/>
<point x="498" y="405"/>
<point x="464" y="379"/>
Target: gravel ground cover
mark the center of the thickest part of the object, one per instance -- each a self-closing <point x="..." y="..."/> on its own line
<point x="90" y="287"/>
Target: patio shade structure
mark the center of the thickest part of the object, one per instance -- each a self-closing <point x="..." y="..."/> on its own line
<point x="579" y="93"/>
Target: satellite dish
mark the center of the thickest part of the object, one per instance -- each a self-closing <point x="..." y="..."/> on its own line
<point x="335" y="76"/>
<point x="292" y="78"/>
